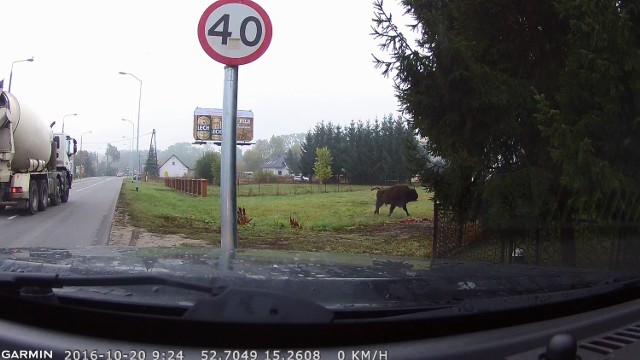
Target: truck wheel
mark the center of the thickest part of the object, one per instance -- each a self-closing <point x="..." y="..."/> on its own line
<point x="55" y="199"/>
<point x="64" y="194"/>
<point x="43" y="188"/>
<point x="33" y="197"/>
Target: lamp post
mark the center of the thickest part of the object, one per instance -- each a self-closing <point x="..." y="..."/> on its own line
<point x="83" y="160"/>
<point x="11" y="73"/>
<point x="97" y="162"/>
<point x="133" y="128"/>
<point x="65" y="117"/>
<point x="138" y="137"/>
<point x="88" y="132"/>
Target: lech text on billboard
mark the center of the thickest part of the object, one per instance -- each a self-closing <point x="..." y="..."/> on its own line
<point x="207" y="125"/>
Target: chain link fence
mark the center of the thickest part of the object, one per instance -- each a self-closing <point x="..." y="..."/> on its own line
<point x="596" y="246"/>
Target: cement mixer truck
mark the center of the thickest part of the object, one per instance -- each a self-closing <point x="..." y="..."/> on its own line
<point x="35" y="163"/>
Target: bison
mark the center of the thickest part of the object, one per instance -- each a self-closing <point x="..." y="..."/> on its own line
<point x="397" y="195"/>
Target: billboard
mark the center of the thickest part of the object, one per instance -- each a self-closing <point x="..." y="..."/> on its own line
<point x="207" y="125"/>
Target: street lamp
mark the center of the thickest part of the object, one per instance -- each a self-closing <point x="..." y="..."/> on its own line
<point x="97" y="161"/>
<point x="138" y="137"/>
<point x="11" y="73"/>
<point x="88" y="132"/>
<point x="133" y="128"/>
<point x="83" y="160"/>
<point x="65" y="117"/>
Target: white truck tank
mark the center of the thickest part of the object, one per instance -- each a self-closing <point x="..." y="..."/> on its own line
<point x="32" y="137"/>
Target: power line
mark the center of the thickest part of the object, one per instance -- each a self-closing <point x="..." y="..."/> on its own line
<point x="119" y="140"/>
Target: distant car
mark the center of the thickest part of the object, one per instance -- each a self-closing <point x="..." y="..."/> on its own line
<point x="300" y="178"/>
<point x="119" y="174"/>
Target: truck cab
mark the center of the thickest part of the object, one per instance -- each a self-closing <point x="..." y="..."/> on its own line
<point x="64" y="147"/>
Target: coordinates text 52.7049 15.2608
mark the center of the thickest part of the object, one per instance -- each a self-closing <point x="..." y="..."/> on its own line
<point x="261" y="354"/>
<point x="294" y="355"/>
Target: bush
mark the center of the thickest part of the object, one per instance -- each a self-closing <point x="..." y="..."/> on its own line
<point x="265" y="176"/>
<point x="208" y="166"/>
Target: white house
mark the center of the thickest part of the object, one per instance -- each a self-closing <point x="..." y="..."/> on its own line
<point x="174" y="167"/>
<point x="276" y="166"/>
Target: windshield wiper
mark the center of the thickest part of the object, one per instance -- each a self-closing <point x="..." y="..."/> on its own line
<point x="226" y="304"/>
<point x="614" y="291"/>
<point x="20" y="281"/>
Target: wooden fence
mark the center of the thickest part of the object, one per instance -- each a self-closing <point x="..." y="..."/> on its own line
<point x="196" y="187"/>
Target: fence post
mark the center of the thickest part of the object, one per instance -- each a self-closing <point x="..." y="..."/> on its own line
<point x="434" y="243"/>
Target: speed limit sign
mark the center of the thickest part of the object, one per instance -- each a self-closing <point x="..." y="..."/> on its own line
<point x="234" y="32"/>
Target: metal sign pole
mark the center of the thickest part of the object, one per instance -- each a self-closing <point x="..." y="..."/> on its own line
<point x="228" y="215"/>
<point x="213" y="34"/>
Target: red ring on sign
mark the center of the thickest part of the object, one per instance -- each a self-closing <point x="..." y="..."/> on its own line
<point x="202" y="33"/>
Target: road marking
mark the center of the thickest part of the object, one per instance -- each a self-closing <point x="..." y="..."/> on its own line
<point x="11" y="217"/>
<point x="90" y="186"/>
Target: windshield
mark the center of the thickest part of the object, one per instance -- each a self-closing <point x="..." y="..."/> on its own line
<point x="357" y="154"/>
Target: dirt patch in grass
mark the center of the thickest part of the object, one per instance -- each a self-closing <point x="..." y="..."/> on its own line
<point x="123" y="233"/>
<point x="396" y="231"/>
<point x="399" y="239"/>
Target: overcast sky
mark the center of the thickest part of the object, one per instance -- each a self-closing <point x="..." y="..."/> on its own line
<point x="318" y="67"/>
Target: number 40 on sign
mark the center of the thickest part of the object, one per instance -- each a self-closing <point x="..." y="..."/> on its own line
<point x="234" y="32"/>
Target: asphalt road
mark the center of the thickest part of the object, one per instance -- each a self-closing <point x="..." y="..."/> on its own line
<point x="84" y="220"/>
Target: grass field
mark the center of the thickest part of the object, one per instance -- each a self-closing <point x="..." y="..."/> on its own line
<point x="339" y="220"/>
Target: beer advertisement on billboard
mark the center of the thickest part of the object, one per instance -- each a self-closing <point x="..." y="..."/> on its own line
<point x="207" y="125"/>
